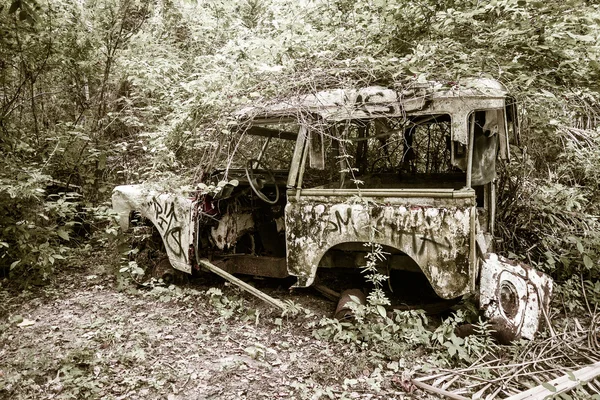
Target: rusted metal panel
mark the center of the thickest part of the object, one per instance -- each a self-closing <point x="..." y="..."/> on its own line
<point x="514" y="293"/>
<point x="273" y="267"/>
<point x="170" y="213"/>
<point x="436" y="237"/>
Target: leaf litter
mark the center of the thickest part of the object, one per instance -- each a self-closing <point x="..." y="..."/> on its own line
<point x="80" y="337"/>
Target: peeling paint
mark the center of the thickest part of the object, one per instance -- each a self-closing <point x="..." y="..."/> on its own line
<point x="436" y="238"/>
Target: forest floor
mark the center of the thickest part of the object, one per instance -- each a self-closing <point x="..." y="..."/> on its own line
<point x="88" y="335"/>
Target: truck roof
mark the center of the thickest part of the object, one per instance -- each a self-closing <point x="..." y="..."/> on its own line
<point x="370" y="102"/>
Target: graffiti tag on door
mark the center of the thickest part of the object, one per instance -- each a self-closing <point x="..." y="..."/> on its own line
<point x="169" y="226"/>
<point x="415" y="230"/>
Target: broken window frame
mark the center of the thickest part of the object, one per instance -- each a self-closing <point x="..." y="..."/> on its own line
<point x="301" y="152"/>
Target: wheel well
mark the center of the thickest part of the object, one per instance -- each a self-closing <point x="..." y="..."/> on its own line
<point x="340" y="268"/>
<point x="353" y="255"/>
<point x="143" y="230"/>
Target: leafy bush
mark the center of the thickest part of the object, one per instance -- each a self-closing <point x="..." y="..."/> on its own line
<point x="467" y="349"/>
<point x="388" y="336"/>
<point x="551" y="221"/>
<point x="35" y="229"/>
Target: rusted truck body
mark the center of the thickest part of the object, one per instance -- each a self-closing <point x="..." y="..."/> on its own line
<point x="314" y="178"/>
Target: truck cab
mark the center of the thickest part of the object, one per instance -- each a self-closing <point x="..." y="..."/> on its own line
<point x="308" y="181"/>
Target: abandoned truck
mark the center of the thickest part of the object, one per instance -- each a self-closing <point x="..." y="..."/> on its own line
<point x="310" y="180"/>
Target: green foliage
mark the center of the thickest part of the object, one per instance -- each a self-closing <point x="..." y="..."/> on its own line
<point x="390" y="337"/>
<point x="558" y="228"/>
<point x="122" y="91"/>
<point x="577" y="297"/>
<point x="467" y="349"/>
<point x="394" y="337"/>
<point x="35" y="229"/>
<point x="55" y="130"/>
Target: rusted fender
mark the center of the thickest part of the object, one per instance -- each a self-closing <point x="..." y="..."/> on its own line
<point x="437" y="238"/>
<point x="515" y="294"/>
<point x="170" y="213"/>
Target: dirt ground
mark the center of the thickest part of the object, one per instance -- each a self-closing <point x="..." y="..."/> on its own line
<point x="87" y="335"/>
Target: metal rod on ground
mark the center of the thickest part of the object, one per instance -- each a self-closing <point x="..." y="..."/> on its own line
<point x="252" y="290"/>
<point x="563" y="384"/>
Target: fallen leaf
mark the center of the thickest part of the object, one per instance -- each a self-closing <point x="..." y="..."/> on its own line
<point x="26" y="322"/>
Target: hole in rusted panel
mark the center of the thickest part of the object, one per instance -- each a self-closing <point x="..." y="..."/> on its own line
<point x="509" y="300"/>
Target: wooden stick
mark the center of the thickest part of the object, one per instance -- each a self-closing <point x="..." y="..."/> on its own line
<point x="428" y="378"/>
<point x="494" y="394"/>
<point x="480" y="393"/>
<point x="252" y="290"/>
<point x="435" y="390"/>
<point x="450" y="382"/>
<point x="498" y="366"/>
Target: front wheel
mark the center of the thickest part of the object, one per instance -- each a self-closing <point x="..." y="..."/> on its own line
<point x="147" y="258"/>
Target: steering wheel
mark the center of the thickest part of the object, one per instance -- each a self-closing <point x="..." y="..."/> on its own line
<point x="259" y="182"/>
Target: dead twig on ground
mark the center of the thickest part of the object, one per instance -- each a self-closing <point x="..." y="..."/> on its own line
<point x="544" y="363"/>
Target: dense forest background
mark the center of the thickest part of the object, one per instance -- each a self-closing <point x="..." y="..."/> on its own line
<point x="99" y="93"/>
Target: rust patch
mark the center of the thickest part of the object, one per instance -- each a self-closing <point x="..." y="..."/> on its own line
<point x="437" y="238"/>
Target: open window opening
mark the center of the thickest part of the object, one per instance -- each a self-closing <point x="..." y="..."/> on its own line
<point x="395" y="153"/>
<point x="271" y="143"/>
<point x="257" y="156"/>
